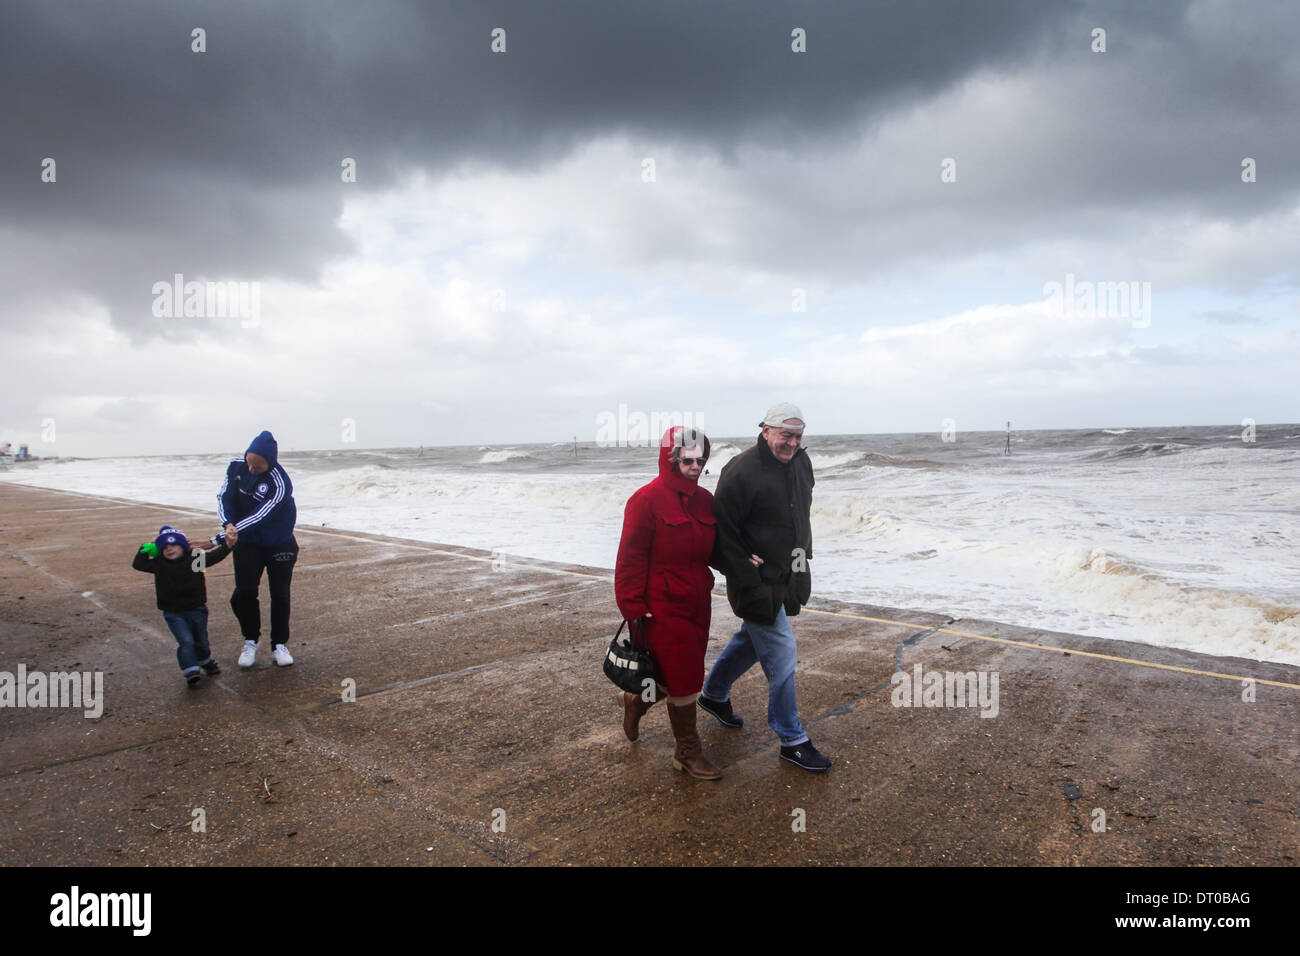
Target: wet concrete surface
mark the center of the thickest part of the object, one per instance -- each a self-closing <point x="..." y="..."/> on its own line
<point x="484" y="733"/>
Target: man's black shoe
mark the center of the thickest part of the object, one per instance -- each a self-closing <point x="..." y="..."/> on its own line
<point x="806" y="757"/>
<point x="722" y="711"/>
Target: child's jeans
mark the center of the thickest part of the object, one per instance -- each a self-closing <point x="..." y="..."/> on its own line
<point x="190" y="629"/>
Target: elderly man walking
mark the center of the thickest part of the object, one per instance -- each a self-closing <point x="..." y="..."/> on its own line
<point x="764" y="543"/>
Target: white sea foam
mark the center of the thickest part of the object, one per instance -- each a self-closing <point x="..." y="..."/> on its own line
<point x="505" y="454"/>
<point x="720" y="453"/>
<point x="826" y="462"/>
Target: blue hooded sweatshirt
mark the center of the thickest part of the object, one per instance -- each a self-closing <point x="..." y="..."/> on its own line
<point x="260" y="506"/>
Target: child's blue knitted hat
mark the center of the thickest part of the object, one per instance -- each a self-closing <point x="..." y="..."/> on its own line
<point x="169" y="535"/>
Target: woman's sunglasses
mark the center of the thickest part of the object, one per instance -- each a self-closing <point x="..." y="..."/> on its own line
<point x="693" y="461"/>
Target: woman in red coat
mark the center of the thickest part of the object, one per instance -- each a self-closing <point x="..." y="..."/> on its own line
<point x="662" y="577"/>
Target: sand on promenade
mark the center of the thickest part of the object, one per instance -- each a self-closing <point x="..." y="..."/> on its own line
<point x="483" y="731"/>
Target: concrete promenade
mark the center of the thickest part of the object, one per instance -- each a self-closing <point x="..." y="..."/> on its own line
<point x="483" y="732"/>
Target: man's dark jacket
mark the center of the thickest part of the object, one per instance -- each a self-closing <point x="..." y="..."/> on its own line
<point x="762" y="507"/>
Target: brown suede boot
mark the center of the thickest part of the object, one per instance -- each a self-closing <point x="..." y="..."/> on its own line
<point x="634" y="708"/>
<point x="689" y="755"/>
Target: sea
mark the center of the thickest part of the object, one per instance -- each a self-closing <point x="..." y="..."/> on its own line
<point x="1182" y="537"/>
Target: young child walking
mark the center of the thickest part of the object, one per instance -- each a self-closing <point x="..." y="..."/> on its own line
<point x="182" y="595"/>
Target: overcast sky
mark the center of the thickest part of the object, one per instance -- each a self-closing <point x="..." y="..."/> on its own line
<point x="651" y="203"/>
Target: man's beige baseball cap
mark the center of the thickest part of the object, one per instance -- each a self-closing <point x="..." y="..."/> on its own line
<point x="784" y="415"/>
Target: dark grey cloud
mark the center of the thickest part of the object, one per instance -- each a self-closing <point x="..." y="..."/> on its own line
<point x="285" y="88"/>
<point x="226" y="163"/>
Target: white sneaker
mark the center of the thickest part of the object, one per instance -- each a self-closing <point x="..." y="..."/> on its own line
<point x="247" y="654"/>
<point x="280" y="654"/>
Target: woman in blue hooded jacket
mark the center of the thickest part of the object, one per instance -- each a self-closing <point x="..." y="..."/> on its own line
<point x="258" y="514"/>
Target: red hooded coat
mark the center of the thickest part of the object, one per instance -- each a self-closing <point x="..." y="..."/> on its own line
<point x="663" y="569"/>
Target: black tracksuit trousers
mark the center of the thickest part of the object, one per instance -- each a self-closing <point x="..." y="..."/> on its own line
<point x="278" y="561"/>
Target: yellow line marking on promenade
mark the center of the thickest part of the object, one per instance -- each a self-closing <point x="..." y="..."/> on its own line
<point x="863" y="617"/>
<point x="1063" y="650"/>
<point x="1122" y="660"/>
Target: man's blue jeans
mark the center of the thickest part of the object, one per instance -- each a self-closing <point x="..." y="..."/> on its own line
<point x="772" y="646"/>
<point x="190" y="628"/>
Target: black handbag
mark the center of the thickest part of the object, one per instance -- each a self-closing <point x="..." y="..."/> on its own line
<point x="628" y="665"/>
